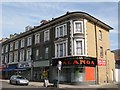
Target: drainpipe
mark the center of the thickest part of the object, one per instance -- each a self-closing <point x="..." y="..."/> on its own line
<point x="97" y="76"/>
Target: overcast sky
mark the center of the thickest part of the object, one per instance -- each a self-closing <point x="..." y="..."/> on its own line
<point x="16" y="16"/>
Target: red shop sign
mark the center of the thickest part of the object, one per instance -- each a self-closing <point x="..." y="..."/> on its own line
<point x="101" y="63"/>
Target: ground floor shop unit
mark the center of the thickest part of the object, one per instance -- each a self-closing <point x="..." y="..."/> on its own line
<point x="75" y="70"/>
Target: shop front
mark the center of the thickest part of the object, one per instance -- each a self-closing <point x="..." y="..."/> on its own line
<point x="76" y="70"/>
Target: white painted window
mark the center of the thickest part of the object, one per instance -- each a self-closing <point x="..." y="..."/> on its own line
<point x="22" y="43"/>
<point x="46" y="35"/>
<point x="2" y="58"/>
<point x="16" y="44"/>
<point x="6" y="48"/>
<point x="101" y="52"/>
<point x="37" y="38"/>
<point x="16" y="56"/>
<point x="79" y="46"/>
<point x="11" y="46"/>
<point x="100" y="35"/>
<point x="2" y="49"/>
<point x="46" y="53"/>
<point x="28" y="53"/>
<point x="22" y="53"/>
<point x="61" y="30"/>
<point x="29" y="41"/>
<point x="37" y="54"/>
<point x="6" y="58"/>
<point x="11" y="57"/>
<point x="78" y="27"/>
<point x="61" y="49"/>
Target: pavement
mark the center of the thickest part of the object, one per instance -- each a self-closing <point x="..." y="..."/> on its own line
<point x="40" y="84"/>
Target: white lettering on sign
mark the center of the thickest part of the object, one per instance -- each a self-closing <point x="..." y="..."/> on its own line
<point x="24" y="65"/>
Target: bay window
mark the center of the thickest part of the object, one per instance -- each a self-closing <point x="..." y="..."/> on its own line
<point x="78" y="27"/>
<point x="79" y="46"/>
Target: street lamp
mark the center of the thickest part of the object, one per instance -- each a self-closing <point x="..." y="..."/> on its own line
<point x="59" y="68"/>
<point x="32" y="67"/>
<point x="107" y="63"/>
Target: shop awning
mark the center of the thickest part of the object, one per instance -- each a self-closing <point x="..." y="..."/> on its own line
<point x="11" y="68"/>
<point x="19" y="69"/>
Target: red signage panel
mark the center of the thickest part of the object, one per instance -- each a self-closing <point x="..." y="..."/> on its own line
<point x="101" y="63"/>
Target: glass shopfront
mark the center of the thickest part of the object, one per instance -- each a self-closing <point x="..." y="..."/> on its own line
<point x="75" y="70"/>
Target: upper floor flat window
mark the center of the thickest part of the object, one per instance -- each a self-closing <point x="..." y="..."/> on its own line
<point x="11" y="57"/>
<point x="2" y="58"/>
<point x="37" y="38"/>
<point x="2" y="49"/>
<point x="6" y="58"/>
<point x="11" y="46"/>
<point x="29" y="41"/>
<point x="101" y="52"/>
<point x="28" y="54"/>
<point x="61" y="49"/>
<point x="46" y="53"/>
<point x="22" y="43"/>
<point x="16" y="44"/>
<point x="61" y="30"/>
<point x="78" y="27"/>
<point x="46" y="35"/>
<point x="16" y="56"/>
<point x="6" y="48"/>
<point x="37" y="54"/>
<point x="22" y="57"/>
<point x="79" y="46"/>
<point x="100" y="35"/>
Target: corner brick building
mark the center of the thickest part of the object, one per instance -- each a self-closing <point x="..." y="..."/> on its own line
<point x="77" y="39"/>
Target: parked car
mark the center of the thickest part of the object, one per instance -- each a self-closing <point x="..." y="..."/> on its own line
<point x="17" y="79"/>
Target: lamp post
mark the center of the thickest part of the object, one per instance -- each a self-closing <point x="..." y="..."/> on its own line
<point x="59" y="68"/>
<point x="31" y="67"/>
<point x="107" y="63"/>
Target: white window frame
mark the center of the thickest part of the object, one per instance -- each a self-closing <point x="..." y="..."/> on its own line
<point x="16" y="56"/>
<point x="2" y="58"/>
<point x="46" y="36"/>
<point x="11" y="59"/>
<point x="2" y="49"/>
<point x="11" y="46"/>
<point x="37" y="54"/>
<point x="6" y="48"/>
<point x="22" y="53"/>
<point x="6" y="58"/>
<point x="75" y="26"/>
<point x="47" y="53"/>
<point x="29" y="40"/>
<point x="22" y="43"/>
<point x="28" y="56"/>
<point x="16" y="44"/>
<point x="37" y="38"/>
<point x="83" y="46"/>
<point x="57" y="30"/>
<point x="57" y="49"/>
